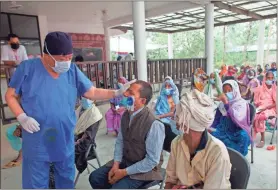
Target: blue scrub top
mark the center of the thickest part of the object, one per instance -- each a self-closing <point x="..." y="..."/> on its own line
<point x="51" y="102"/>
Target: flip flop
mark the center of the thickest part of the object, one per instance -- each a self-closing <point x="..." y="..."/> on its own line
<point x="11" y="164"/>
<point x="270" y="147"/>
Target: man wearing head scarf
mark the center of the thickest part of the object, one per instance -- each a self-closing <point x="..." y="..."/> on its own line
<point x="197" y="159"/>
<point x="48" y="88"/>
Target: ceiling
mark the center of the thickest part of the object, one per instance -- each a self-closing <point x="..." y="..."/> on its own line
<point x="225" y="13"/>
<point x="81" y="12"/>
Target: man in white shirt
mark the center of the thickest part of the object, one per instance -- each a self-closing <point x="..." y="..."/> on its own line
<point x="129" y="57"/>
<point x="13" y="53"/>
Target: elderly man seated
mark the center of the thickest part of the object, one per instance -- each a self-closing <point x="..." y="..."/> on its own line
<point x="138" y="149"/>
<point x="197" y="159"/>
<point x="85" y="132"/>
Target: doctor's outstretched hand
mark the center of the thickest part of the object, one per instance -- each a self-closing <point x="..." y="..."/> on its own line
<point x="28" y="123"/>
<point x="124" y="88"/>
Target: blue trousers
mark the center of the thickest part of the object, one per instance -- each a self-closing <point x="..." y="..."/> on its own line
<point x="99" y="180"/>
<point x="35" y="174"/>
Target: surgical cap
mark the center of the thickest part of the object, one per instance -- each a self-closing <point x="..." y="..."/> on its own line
<point x="58" y="43"/>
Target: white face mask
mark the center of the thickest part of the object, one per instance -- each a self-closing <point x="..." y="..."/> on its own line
<point x="60" y="66"/>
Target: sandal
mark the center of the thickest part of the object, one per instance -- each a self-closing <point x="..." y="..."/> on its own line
<point x="270" y="147"/>
<point x="260" y="145"/>
<point x="11" y="164"/>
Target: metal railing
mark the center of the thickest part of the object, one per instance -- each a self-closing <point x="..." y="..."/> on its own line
<point x="104" y="74"/>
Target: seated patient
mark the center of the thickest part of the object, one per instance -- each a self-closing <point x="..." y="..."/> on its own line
<point x="13" y="135"/>
<point x="197" y="159"/>
<point x="86" y="128"/>
<point x="199" y="79"/>
<point x="214" y="87"/>
<point x="232" y="119"/>
<point x="138" y="150"/>
<point x="265" y="101"/>
<point x="166" y="103"/>
<point x="114" y="114"/>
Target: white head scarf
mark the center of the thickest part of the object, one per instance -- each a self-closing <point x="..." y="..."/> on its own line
<point x="195" y="111"/>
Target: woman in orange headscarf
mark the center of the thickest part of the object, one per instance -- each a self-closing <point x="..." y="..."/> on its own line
<point x="199" y="79"/>
<point x="223" y="71"/>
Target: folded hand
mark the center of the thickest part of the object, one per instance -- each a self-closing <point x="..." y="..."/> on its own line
<point x="118" y="175"/>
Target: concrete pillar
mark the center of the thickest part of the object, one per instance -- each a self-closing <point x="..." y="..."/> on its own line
<point x="209" y="30"/>
<point x="43" y="28"/>
<point x="170" y="47"/>
<point x="277" y="49"/>
<point x="138" y="15"/>
<point x="260" y="49"/>
<point x="107" y="36"/>
<point x="277" y="54"/>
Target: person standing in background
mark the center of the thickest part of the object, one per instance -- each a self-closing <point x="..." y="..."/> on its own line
<point x="129" y="57"/>
<point x="13" y="53"/>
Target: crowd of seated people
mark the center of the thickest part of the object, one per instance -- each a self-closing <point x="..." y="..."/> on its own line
<point x="138" y="150"/>
<point x="213" y="115"/>
<point x="232" y="117"/>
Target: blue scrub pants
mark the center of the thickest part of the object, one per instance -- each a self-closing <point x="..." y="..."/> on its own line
<point x="35" y="174"/>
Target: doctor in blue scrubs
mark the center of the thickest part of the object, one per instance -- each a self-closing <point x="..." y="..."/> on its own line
<point x="48" y="88"/>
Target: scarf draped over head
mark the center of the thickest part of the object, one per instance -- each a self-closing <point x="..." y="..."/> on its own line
<point x="238" y="108"/>
<point x="261" y="90"/>
<point x="199" y="77"/>
<point x="223" y="71"/>
<point x="218" y="85"/>
<point x="243" y="73"/>
<point x="195" y="111"/>
<point x="162" y="105"/>
<point x="87" y="118"/>
<point x="231" y="71"/>
<point x="116" y="101"/>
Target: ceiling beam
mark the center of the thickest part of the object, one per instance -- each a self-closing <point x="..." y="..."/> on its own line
<point x="190" y="29"/>
<point x="237" y="10"/>
<point x="148" y="30"/>
<point x="230" y="23"/>
<point x="153" y="12"/>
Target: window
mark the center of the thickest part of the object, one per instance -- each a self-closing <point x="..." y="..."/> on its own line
<point x="27" y="29"/>
<point x="5" y="28"/>
<point x="25" y="26"/>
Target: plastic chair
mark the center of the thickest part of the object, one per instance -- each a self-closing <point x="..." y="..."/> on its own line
<point x="252" y="117"/>
<point x="240" y="171"/>
<point x="91" y="153"/>
<point x="169" y="136"/>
